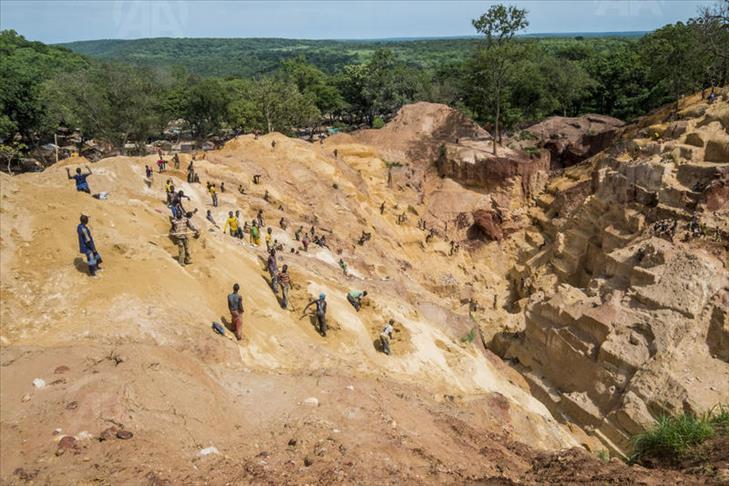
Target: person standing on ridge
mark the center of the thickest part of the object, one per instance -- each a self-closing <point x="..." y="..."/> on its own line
<point x="176" y="161"/>
<point x="284" y="280"/>
<point x="191" y="171"/>
<point x="259" y="218"/>
<point x="235" y="306"/>
<point x="385" y="337"/>
<point x="180" y="226"/>
<point x="321" y="312"/>
<point x="81" y="184"/>
<point x="87" y="247"/>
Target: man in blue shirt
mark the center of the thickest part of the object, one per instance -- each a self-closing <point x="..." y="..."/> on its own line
<point x="81" y="184"/>
<point x="87" y="247"/>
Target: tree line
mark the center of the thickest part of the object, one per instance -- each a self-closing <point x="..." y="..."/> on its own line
<point x="503" y="81"/>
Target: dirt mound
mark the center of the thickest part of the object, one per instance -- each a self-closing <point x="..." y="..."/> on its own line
<point x="417" y="131"/>
<point x="140" y="355"/>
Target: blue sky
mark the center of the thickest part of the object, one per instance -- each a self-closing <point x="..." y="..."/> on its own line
<point x="64" y="21"/>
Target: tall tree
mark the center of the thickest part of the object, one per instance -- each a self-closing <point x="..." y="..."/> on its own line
<point x="675" y="58"/>
<point x="205" y="106"/>
<point x="713" y="29"/>
<point x="282" y="106"/>
<point x="499" y="25"/>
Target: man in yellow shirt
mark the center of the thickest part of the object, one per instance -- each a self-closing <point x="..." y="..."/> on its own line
<point x="232" y="223"/>
<point x="255" y="233"/>
<point x="269" y="239"/>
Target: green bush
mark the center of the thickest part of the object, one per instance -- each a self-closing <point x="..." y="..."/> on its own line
<point x="378" y="122"/>
<point x="672" y="436"/>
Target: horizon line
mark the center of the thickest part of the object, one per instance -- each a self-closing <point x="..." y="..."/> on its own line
<point x="380" y="39"/>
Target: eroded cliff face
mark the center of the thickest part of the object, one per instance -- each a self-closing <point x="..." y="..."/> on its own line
<point x="472" y="163"/>
<point x="626" y="305"/>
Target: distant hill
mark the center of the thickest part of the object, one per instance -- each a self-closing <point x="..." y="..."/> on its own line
<point x="255" y="56"/>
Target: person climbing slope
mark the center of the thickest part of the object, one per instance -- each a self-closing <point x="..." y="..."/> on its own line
<point x="169" y="191"/>
<point x="232" y="223"/>
<point x="272" y="268"/>
<point x="235" y="306"/>
<point x="255" y="233"/>
<point x="87" y="246"/>
<point x="81" y="184"/>
<point x="181" y="226"/>
<point x="354" y="297"/>
<point x="321" y="312"/>
<point x="176" y="205"/>
<point x="269" y="239"/>
<point x="213" y="194"/>
<point x="284" y="280"/>
<point x="209" y="217"/>
<point x="385" y="337"/>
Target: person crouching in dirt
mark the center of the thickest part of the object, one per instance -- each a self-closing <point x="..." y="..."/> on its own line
<point x="272" y="268"/>
<point x="181" y="226"/>
<point x="87" y="247"/>
<point x="385" y="337"/>
<point x="284" y="280"/>
<point x="354" y="297"/>
<point x="235" y="306"/>
<point x="81" y="184"/>
<point x="321" y="313"/>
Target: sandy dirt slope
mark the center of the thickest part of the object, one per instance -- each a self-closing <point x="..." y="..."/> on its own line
<point x="141" y="355"/>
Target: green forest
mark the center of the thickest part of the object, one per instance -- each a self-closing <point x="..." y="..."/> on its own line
<point x="129" y="91"/>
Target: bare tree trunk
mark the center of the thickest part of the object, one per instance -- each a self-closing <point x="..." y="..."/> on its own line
<point x="496" y="125"/>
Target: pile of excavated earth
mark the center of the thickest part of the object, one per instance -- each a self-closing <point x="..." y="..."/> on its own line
<point x="541" y="317"/>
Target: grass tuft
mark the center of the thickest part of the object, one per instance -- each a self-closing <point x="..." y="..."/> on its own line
<point x="672" y="437"/>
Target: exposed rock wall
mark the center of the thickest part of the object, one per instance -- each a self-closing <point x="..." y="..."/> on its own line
<point x="626" y="307"/>
<point x="477" y="166"/>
